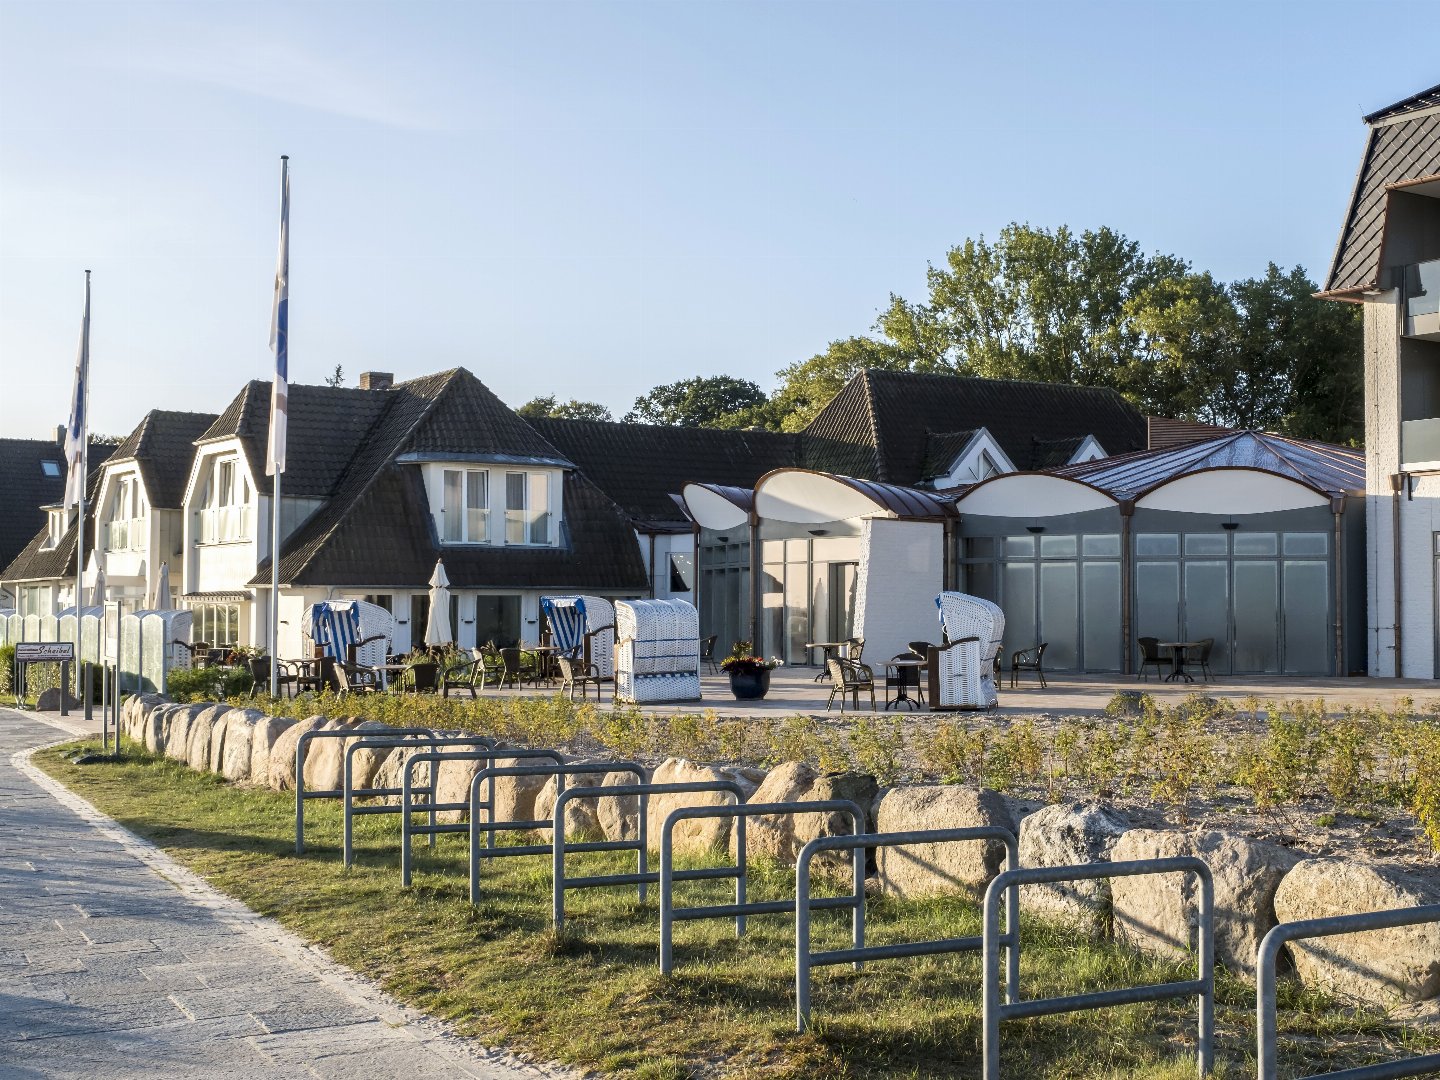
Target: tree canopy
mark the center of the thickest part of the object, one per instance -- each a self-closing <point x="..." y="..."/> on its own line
<point x="547" y="408"/>
<point x="714" y="401"/>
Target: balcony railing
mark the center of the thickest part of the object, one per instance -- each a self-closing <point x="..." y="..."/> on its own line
<point x="222" y="524"/>
<point x="1422" y="299"/>
<point x="125" y="534"/>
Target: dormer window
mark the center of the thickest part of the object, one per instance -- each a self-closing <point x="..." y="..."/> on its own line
<point x="56" y="523"/>
<point x="527" y="508"/>
<point x="466" y="512"/>
<point x="224" y="517"/>
<point x="125" y="520"/>
<point x="986" y="467"/>
<point x="493" y="504"/>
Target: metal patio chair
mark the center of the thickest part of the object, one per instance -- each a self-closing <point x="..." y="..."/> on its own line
<point x="1029" y="660"/>
<point x="1150" y="657"/>
<point x="849" y="677"/>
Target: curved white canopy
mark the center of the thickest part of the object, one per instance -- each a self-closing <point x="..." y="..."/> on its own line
<point x="711" y="509"/>
<point x="1032" y="495"/>
<point x="1231" y="492"/>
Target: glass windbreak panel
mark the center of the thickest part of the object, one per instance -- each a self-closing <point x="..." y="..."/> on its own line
<point x="1019" y="547"/>
<point x="419" y="616"/>
<point x="497" y="620"/>
<point x="1308" y="543"/>
<point x="1157" y="600"/>
<point x="1019" y="606"/>
<point x="1206" y="544"/>
<point x="454" y="514"/>
<point x="844" y="581"/>
<point x="1101" y="615"/>
<point x="1157" y="544"/>
<point x="1060" y="615"/>
<point x="980" y="581"/>
<point x="1100" y="544"/>
<point x="979" y="547"/>
<point x="1307" y="624"/>
<point x="1207" y="608"/>
<point x="1257" y="618"/>
<point x="1262" y="543"/>
<point x="773" y="627"/>
<point x="797" y="613"/>
<point x="1057" y="547"/>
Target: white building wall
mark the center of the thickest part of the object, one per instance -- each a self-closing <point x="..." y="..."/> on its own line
<point x="1382" y="460"/>
<point x="902" y="570"/>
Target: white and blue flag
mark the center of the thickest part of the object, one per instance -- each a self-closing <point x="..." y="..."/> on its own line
<point x="76" y="435"/>
<point x="279" y="334"/>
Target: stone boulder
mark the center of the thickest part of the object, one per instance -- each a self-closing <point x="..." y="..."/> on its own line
<point x="263" y="734"/>
<point x="582" y="816"/>
<point x="219" y="724"/>
<point x="50" y="700"/>
<point x="281" y="774"/>
<point x="453" y="784"/>
<point x="860" y="788"/>
<point x="1378" y="966"/>
<point x="389" y="773"/>
<point x="325" y="757"/>
<point x="1159" y="912"/>
<point x="202" y="733"/>
<point x="699" y="836"/>
<point x="964" y="867"/>
<point x="1069" y="834"/>
<point x="781" y="836"/>
<point x="619" y="815"/>
<point x="239" y="752"/>
<point x="148" y="726"/>
<point x="177" y="719"/>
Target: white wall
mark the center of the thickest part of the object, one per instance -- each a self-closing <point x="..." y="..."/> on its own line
<point x="901" y="573"/>
<point x="1382" y="459"/>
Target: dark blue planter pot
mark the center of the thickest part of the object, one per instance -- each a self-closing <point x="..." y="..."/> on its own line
<point x="747" y="687"/>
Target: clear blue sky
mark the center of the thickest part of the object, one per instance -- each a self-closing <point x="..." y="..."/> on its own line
<point x="592" y="198"/>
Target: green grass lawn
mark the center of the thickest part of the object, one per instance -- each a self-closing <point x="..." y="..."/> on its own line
<point x="595" y="998"/>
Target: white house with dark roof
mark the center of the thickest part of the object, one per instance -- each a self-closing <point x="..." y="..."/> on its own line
<point x="1388" y="260"/>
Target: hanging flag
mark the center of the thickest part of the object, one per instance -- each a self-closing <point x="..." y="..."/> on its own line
<point x="76" y="434"/>
<point x="279" y="333"/>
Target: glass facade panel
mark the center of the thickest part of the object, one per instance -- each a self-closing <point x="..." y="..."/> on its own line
<point x="1307" y="606"/>
<point x="1157" y="600"/>
<point x="1257" y="617"/>
<point x="1206" y="544"/>
<point x="1101" y="615"/>
<point x="797" y="612"/>
<point x="1057" y="547"/>
<point x="979" y="547"/>
<point x="1248" y="543"/>
<point x="1207" y="608"/>
<point x="980" y="581"/>
<point x="774" y="601"/>
<point x="1060" y="613"/>
<point x="1019" y="547"/>
<point x="1308" y="543"/>
<point x="1019" y="606"/>
<point x="1157" y="544"/>
<point x="1102" y="544"/>
<point x="497" y="620"/>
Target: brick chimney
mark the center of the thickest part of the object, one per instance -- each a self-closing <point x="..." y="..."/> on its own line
<point x="377" y="380"/>
<point x="59" y="434"/>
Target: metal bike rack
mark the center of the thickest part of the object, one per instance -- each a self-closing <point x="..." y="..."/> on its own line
<point x="303" y="743"/>
<point x="1201" y="987"/>
<point x="669" y="913"/>
<point x="643" y="876"/>
<point x="1265" y="960"/>
<point x="349" y="793"/>
<point x="858" y="953"/>
<point x="490" y="828"/>
<point x="407" y="789"/>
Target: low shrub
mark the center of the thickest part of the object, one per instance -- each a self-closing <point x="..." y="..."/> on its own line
<point x="208" y="683"/>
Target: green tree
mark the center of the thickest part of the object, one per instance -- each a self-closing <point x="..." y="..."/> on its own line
<point x="807" y="386"/>
<point x="336" y="378"/>
<point x="547" y="408"/>
<point x="715" y="401"/>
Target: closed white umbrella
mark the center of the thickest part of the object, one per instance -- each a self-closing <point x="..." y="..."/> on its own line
<point x="160" y="592"/>
<point x="97" y="589"/>
<point x="437" y="629"/>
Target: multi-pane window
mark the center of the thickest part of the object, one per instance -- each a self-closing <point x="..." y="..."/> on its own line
<point x="527" y="508"/>
<point x="219" y="624"/>
<point x="466" y="509"/>
<point x="125" y="527"/>
<point x="34" y="600"/>
<point x="225" y="515"/>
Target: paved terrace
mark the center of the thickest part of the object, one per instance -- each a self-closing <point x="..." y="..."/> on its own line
<point x="794" y="690"/>
<point x="117" y="962"/>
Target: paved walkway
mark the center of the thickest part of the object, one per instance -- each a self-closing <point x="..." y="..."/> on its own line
<point x="117" y="962"/>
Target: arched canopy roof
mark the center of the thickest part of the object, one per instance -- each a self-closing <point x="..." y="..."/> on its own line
<point x="1032" y="495"/>
<point x="718" y="506"/>
<point x="806" y="497"/>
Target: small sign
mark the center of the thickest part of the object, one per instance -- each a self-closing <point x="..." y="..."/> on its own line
<point x="41" y="652"/>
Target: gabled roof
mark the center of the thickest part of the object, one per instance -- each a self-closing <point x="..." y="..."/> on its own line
<point x="641" y="466"/>
<point x="1336" y="471"/>
<point x="941" y="450"/>
<point x="39" y="563"/>
<point x="24" y="488"/>
<point x="1403" y="144"/>
<point x="879" y="426"/>
<point x="376" y="529"/>
<point x="163" y="447"/>
<point x="326" y="426"/>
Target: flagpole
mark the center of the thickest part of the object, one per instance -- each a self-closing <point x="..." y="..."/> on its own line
<point x="80" y="518"/>
<point x="279" y="409"/>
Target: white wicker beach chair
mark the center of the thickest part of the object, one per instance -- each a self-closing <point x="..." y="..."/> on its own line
<point x="658" y="651"/>
<point x="963" y="676"/>
<point x="584" y="626"/>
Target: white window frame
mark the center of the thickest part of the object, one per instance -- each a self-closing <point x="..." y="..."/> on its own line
<point x="125" y="526"/>
<point x="523" y="520"/>
<point x="206" y="618"/>
<point x="225" y="517"/>
<point x="466" y="518"/>
<point x="32" y="600"/>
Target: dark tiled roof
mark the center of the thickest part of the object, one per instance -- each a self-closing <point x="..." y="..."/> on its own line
<point x="38" y="563"/>
<point x="326" y="427"/>
<point x="24" y="488"/>
<point x="941" y="450"/>
<point x="1425" y="99"/>
<point x="469" y="419"/>
<point x="1395" y="151"/>
<point x="891" y="415"/>
<point x="641" y="466"/>
<point x="1052" y="453"/>
<point x="163" y="446"/>
<point x="1334" y="470"/>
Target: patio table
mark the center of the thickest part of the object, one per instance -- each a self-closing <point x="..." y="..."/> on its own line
<point x="829" y="648"/>
<point x="902" y="681"/>
<point x="308" y="674"/>
<point x="1178" y="652"/>
<point x="388" y="670"/>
